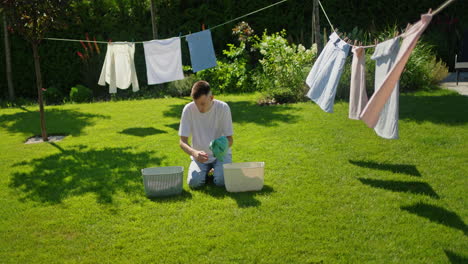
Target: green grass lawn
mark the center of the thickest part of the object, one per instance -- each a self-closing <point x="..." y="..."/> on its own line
<point x="334" y="191"/>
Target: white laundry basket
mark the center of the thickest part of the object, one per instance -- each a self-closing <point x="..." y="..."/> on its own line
<point x="163" y="181"/>
<point x="244" y="176"/>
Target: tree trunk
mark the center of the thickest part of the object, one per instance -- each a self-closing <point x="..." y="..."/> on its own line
<point x="316" y="27"/>
<point x="11" y="90"/>
<point x="154" y="13"/>
<point x="37" y="66"/>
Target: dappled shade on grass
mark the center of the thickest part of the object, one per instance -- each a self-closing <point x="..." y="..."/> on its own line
<point x="183" y="196"/>
<point x="395" y="168"/>
<point x="448" y="108"/>
<point x="438" y="215"/>
<point x="402" y="186"/>
<point x="243" y="199"/>
<point x="455" y="258"/>
<point x="68" y="122"/>
<point x="79" y="170"/>
<point x="142" y="131"/>
<point x="174" y="126"/>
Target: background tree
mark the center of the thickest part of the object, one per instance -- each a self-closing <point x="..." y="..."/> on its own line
<point x="32" y="19"/>
<point x="11" y="90"/>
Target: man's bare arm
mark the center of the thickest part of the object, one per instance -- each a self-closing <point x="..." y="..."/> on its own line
<point x="200" y="156"/>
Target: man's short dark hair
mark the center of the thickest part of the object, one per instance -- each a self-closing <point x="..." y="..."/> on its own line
<point x="200" y="88"/>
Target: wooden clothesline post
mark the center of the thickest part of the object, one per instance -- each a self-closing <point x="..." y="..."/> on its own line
<point x="154" y="13"/>
<point x="316" y="38"/>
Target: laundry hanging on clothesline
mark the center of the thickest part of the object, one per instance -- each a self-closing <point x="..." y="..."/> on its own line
<point x="385" y="55"/>
<point x="163" y="60"/>
<point x="201" y="53"/>
<point x="324" y="97"/>
<point x="357" y="89"/>
<point x="326" y="72"/>
<point x="370" y="114"/>
<point x="118" y="69"/>
<point x="201" y="49"/>
<point x="381" y="111"/>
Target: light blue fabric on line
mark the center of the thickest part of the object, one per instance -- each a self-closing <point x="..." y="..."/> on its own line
<point x="326" y="72"/>
<point x="201" y="50"/>
<point x="385" y="55"/>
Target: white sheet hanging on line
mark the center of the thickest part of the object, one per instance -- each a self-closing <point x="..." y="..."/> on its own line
<point x="163" y="60"/>
<point x="118" y="69"/>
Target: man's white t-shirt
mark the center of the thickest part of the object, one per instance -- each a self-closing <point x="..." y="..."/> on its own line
<point x="206" y="127"/>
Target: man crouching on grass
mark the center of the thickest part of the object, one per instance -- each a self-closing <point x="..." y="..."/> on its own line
<point x="206" y="119"/>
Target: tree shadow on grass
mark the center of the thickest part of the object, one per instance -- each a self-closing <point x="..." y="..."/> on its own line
<point x="79" y="170"/>
<point x="249" y="112"/>
<point x="243" y="199"/>
<point x="448" y="109"/>
<point x="185" y="195"/>
<point x="395" y="168"/>
<point x="455" y="258"/>
<point x="174" y="126"/>
<point x="142" y="131"/>
<point x="68" y="122"/>
<point x="438" y="215"/>
<point x="402" y="186"/>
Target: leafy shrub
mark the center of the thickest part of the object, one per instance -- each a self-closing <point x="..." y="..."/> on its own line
<point x="282" y="75"/>
<point x="423" y="70"/>
<point x="182" y="87"/>
<point x="53" y="96"/>
<point x="80" y="93"/>
<point x="231" y="75"/>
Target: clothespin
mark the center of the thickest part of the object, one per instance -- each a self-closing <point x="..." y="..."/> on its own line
<point x="395" y="34"/>
<point x="203" y="26"/>
<point x="355" y="43"/>
<point x="430" y="11"/>
<point x="376" y="42"/>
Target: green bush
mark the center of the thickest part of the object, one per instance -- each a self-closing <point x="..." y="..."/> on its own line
<point x="182" y="87"/>
<point x="423" y="70"/>
<point x="231" y="75"/>
<point x="282" y="75"/>
<point x="80" y="94"/>
<point x="53" y="96"/>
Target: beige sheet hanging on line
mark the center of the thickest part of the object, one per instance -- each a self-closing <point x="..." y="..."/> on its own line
<point x="370" y="114"/>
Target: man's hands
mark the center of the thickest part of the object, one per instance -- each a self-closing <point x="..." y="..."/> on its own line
<point x="200" y="156"/>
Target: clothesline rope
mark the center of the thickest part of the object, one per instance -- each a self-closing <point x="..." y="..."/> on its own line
<point x="440" y="8"/>
<point x="222" y="24"/>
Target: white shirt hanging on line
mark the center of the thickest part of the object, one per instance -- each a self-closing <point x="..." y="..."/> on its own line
<point x="163" y="60"/>
<point x="119" y="67"/>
